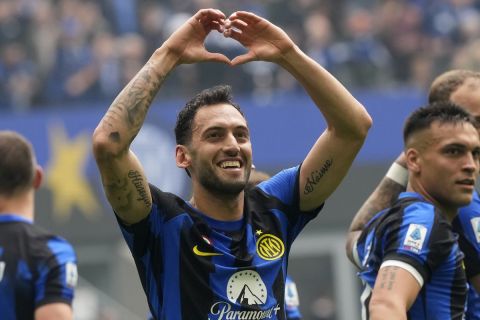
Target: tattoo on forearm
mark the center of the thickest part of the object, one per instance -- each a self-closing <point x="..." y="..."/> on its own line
<point x="132" y="106"/>
<point x="137" y="181"/>
<point x="388" y="278"/>
<point x="316" y="175"/>
<point x="140" y="96"/>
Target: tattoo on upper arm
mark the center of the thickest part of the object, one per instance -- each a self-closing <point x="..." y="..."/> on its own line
<point x="121" y="193"/>
<point x="316" y="175"/>
<point x="137" y="181"/>
<point x="117" y="191"/>
<point x="388" y="277"/>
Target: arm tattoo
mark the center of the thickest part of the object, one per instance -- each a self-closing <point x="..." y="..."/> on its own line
<point x="140" y="97"/>
<point x="388" y="278"/>
<point x="137" y="181"/>
<point x="316" y="175"/>
<point x="132" y="106"/>
<point x="383" y="197"/>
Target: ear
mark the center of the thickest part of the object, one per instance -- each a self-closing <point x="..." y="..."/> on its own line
<point x="37" y="179"/>
<point x="182" y="156"/>
<point x="412" y="158"/>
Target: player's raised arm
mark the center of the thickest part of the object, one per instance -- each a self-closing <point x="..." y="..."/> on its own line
<point x="123" y="178"/>
<point x="347" y="120"/>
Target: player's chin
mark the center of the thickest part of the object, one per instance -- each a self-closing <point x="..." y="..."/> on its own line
<point x="464" y="198"/>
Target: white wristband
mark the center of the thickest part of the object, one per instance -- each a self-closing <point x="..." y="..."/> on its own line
<point x="398" y="173"/>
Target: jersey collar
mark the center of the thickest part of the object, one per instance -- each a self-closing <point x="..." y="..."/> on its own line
<point x="6" y="217"/>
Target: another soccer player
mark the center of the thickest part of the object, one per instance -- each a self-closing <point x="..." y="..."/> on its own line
<point x="461" y="87"/>
<point x="408" y="255"/>
<point x="38" y="270"/>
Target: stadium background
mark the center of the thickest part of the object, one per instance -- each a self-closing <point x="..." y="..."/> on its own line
<point x="63" y="61"/>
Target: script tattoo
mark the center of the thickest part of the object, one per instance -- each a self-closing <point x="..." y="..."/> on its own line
<point x="137" y="181"/>
<point x="316" y="175"/>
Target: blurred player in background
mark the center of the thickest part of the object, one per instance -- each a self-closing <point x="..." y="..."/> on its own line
<point x="38" y="270"/>
<point x="222" y="254"/>
<point x="461" y="87"/>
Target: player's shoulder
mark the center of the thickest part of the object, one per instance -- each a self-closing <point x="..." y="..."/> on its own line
<point x="166" y="203"/>
<point x="412" y="206"/>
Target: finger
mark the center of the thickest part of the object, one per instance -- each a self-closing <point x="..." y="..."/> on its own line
<point x="246" y="16"/>
<point x="209" y="15"/>
<point x="215" y="25"/>
<point x="235" y="34"/>
<point x="218" y="57"/>
<point x="238" y="24"/>
<point x="244" y="58"/>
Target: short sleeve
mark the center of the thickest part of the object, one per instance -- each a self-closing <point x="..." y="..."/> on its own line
<point x="422" y="239"/>
<point x="57" y="274"/>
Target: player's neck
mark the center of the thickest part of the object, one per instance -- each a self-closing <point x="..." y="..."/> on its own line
<point x="224" y="208"/>
<point x="21" y="205"/>
<point x="448" y="211"/>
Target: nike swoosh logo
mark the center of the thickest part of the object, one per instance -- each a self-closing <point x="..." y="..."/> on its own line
<point x="204" y="254"/>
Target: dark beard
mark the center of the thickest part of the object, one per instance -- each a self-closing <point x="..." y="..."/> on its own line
<point x="212" y="183"/>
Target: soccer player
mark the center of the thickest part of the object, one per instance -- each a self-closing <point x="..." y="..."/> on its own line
<point x="408" y="255"/>
<point x="221" y="254"/>
<point x="462" y="87"/>
<point x="38" y="270"/>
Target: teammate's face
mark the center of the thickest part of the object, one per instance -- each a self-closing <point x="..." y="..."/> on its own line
<point x="468" y="97"/>
<point x="221" y="152"/>
<point x="447" y="163"/>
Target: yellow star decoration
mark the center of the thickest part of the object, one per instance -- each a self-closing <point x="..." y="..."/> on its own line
<point x="259" y="232"/>
<point x="65" y="174"/>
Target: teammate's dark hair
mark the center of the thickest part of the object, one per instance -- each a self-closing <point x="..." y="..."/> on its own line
<point x="17" y="163"/>
<point x="443" y="112"/>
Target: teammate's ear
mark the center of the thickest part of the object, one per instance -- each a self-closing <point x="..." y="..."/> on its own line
<point x="182" y="156"/>
<point x="412" y="158"/>
<point x="37" y="179"/>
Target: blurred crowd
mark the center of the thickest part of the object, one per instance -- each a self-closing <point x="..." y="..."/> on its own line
<point x="57" y="53"/>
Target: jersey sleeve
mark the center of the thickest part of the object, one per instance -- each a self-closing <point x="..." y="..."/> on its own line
<point x="141" y="236"/>
<point x="57" y="274"/>
<point x="467" y="225"/>
<point x="284" y="186"/>
<point x="419" y="242"/>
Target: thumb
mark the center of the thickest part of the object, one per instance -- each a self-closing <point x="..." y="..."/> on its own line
<point x="244" y="58"/>
<point x="218" y="57"/>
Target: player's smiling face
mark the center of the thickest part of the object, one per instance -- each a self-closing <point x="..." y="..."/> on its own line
<point x="220" y="148"/>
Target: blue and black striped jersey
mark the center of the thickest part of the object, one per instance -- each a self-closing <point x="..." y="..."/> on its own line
<point x="467" y="225"/>
<point x="414" y="235"/>
<point x="36" y="268"/>
<point x="193" y="267"/>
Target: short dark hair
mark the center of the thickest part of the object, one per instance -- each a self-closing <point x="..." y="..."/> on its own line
<point x="448" y="82"/>
<point x="17" y="163"/>
<point x="443" y="112"/>
<point x="214" y="95"/>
